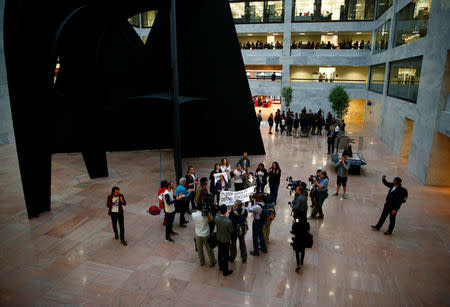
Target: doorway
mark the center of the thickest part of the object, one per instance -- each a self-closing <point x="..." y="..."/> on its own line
<point x="356" y="110"/>
<point x="406" y="138"/>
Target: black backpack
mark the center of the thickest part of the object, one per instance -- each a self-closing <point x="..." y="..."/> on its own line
<point x="241" y="227"/>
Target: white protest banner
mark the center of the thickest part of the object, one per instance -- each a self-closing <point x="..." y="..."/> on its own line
<point x="230" y="197"/>
<point x="217" y="177"/>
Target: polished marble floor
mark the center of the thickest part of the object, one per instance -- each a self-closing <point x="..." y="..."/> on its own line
<point x="69" y="255"/>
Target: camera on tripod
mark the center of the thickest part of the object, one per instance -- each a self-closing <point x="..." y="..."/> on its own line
<point x="292" y="184"/>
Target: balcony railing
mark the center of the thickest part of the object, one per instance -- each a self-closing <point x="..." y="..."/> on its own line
<point x="326" y="80"/>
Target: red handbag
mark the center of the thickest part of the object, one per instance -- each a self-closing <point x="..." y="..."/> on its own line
<point x="153" y="210"/>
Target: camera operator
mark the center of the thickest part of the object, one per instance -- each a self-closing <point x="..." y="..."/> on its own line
<point x="313" y="194"/>
<point x="300" y="203"/>
<point x="202" y="234"/>
<point x="207" y="200"/>
<point x="322" y="193"/>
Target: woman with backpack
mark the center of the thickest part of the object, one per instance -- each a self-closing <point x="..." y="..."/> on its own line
<point x="238" y="216"/>
<point x="300" y="229"/>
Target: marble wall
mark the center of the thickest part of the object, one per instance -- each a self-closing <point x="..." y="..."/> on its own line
<point x="386" y="115"/>
<point x="6" y="126"/>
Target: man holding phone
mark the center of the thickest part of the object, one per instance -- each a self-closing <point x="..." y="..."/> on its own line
<point x="342" y="174"/>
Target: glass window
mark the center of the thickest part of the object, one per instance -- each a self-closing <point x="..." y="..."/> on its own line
<point x="404" y="78"/>
<point x="383" y="5"/>
<point x="382" y="37"/>
<point x="376" y="82"/>
<point x="412" y="21"/>
<point x="325" y="10"/>
<point x="257" y="11"/>
<point x="238" y="12"/>
<point x="148" y="18"/>
<point x="134" y="21"/>
<point x="274" y="11"/>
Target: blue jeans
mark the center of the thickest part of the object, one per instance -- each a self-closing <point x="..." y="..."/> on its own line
<point x="258" y="237"/>
<point x="274" y="191"/>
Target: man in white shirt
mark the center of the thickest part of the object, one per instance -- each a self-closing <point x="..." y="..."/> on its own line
<point x="202" y="236"/>
<point x="169" y="208"/>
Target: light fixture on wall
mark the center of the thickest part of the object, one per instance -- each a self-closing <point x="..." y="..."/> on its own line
<point x="302" y="33"/>
<point x="249" y="34"/>
<point x="358" y="33"/>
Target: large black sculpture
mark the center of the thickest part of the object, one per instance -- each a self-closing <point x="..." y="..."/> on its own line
<point x="115" y="93"/>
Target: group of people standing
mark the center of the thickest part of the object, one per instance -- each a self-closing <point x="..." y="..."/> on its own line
<point x="304" y="124"/>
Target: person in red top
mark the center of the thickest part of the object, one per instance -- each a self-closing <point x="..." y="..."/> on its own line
<point x="161" y="190"/>
<point x="115" y="203"/>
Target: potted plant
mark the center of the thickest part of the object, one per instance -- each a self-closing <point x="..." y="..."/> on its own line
<point x="339" y="100"/>
<point x="286" y="93"/>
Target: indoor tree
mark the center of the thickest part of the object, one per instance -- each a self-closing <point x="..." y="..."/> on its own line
<point x="286" y="93"/>
<point x="339" y="100"/>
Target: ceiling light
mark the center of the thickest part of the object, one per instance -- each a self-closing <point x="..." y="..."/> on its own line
<point x="358" y="32"/>
<point x="302" y="33"/>
<point x="330" y="33"/>
<point x="249" y="34"/>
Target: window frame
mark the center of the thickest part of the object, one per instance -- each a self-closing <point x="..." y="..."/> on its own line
<point x="389" y="78"/>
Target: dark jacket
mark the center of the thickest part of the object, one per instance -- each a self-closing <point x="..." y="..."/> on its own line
<point x="289" y="121"/>
<point x="219" y="186"/>
<point x="189" y="180"/>
<point x="270" y="121"/>
<point x="274" y="176"/>
<point x="394" y="199"/>
<point x="237" y="216"/>
<point x="264" y="177"/>
<point x="212" y="183"/>
<point x="296" y="122"/>
<point x="300" y="206"/>
<point x="109" y="203"/>
<point x="224" y="229"/>
<point x="277" y="118"/>
<point x="300" y="231"/>
<point x="241" y="162"/>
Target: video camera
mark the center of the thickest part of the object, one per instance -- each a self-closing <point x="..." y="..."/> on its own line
<point x="292" y="184"/>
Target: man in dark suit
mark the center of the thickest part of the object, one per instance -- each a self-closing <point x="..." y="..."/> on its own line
<point x="396" y="196"/>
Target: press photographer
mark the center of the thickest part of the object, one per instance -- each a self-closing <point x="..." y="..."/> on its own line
<point x="313" y="193"/>
<point x="322" y="193"/>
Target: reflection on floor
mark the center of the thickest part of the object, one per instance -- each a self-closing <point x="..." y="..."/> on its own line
<point x="69" y="256"/>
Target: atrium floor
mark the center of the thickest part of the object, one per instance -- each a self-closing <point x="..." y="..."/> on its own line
<point x="69" y="255"/>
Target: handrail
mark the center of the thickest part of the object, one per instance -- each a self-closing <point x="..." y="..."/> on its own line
<point x="327" y="80"/>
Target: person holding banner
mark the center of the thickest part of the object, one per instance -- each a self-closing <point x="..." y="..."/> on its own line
<point x="261" y="178"/>
<point x="212" y="179"/>
<point x="256" y="207"/>
<point x="239" y="178"/>
<point x="221" y="185"/>
<point x="226" y="168"/>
